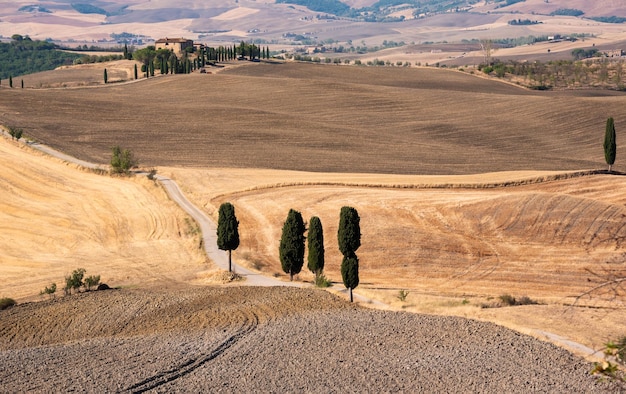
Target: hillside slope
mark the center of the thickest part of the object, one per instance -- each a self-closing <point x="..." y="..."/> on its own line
<point x="55" y="218"/>
<point x="325" y="118"/>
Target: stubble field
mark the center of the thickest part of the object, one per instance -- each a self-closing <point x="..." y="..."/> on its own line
<point x="453" y="242"/>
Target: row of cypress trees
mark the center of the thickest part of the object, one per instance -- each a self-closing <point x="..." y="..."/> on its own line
<point x="292" y="242"/>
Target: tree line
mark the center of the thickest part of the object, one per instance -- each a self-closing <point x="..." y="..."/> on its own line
<point x="292" y="243"/>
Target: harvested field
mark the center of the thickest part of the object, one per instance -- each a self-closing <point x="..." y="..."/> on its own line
<point x="325" y="119"/>
<point x="245" y="339"/>
<point x="55" y="218"/>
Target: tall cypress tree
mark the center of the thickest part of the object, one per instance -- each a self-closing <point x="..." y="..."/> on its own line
<point x="135" y="70"/>
<point x="349" y="232"/>
<point x="350" y="273"/>
<point x="315" y="258"/>
<point x="291" y="249"/>
<point x="106" y="77"/>
<point x="227" y="231"/>
<point x="349" y="240"/>
<point x="610" y="146"/>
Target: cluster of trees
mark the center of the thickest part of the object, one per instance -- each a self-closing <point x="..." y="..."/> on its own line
<point x="597" y="72"/>
<point x="292" y="243"/>
<point x="25" y="56"/>
<point x="73" y="283"/>
<point x="122" y="160"/>
<point x="523" y="22"/>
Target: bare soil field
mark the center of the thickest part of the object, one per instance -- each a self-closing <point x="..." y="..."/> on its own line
<point x="246" y="339"/>
<point x="325" y="119"/>
<point x="455" y="243"/>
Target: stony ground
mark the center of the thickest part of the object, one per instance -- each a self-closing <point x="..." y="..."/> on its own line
<point x="247" y="339"/>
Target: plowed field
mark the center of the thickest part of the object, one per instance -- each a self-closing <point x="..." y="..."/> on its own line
<point x="267" y="340"/>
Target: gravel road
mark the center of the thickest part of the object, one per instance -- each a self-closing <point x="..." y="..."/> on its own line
<point x="260" y="339"/>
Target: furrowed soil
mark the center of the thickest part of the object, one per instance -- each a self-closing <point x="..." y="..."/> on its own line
<point x="323" y="118"/>
<point x="363" y="137"/>
<point x="246" y="339"/>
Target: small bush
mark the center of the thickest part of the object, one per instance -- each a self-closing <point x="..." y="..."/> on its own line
<point x="402" y="294"/>
<point x="74" y="281"/>
<point x="507" y="299"/>
<point x="6" y="303"/>
<point x="322" y="282"/>
<point x="49" y="290"/>
<point x="92" y="281"/>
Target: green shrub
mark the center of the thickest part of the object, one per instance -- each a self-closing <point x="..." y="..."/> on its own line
<point x="402" y="294"/>
<point x="6" y="303"/>
<point x="74" y="281"/>
<point x="49" y="290"/>
<point x="322" y="281"/>
<point x="92" y="281"/>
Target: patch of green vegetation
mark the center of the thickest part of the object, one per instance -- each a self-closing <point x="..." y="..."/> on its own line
<point x="6" y="302"/>
<point x="88" y="9"/>
<point x="567" y="12"/>
<point x="24" y="56"/>
<point x="334" y="7"/>
<point x="609" y="19"/>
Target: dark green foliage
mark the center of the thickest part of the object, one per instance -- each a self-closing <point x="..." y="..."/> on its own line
<point x="6" y="302"/>
<point x="92" y="281"/>
<point x="581" y="53"/>
<point x="15" y="132"/>
<point x="315" y="259"/>
<point x="334" y="7"/>
<point x="121" y="160"/>
<point x="25" y="56"/>
<point x="227" y="230"/>
<point x="350" y="272"/>
<point x="49" y="290"/>
<point x="136" y="71"/>
<point x="567" y="12"/>
<point x="291" y="249"/>
<point x="74" y="281"/>
<point x="10" y="81"/>
<point x="106" y="77"/>
<point x="609" y="19"/>
<point x="610" y="146"/>
<point x="88" y="9"/>
<point x="349" y="233"/>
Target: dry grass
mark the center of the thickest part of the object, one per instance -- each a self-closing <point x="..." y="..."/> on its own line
<point x="56" y="218"/>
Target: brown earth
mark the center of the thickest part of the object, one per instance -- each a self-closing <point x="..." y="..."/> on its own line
<point x="324" y="119"/>
<point x="453" y="248"/>
<point x="246" y="339"/>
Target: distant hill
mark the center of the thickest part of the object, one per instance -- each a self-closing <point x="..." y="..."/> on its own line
<point x="273" y="22"/>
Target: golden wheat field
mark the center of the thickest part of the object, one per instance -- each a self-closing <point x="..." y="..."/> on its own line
<point x="455" y="179"/>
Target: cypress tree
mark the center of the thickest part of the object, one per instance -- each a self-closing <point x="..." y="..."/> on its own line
<point x="349" y="240"/>
<point x="349" y="233"/>
<point x="227" y="231"/>
<point x="610" y="146"/>
<point x="106" y="78"/>
<point x="10" y="81"/>
<point x="22" y="84"/>
<point x="315" y="258"/>
<point x="135" y="70"/>
<point x="350" y="273"/>
<point x="291" y="249"/>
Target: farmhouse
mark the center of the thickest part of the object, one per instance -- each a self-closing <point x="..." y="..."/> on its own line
<point x="176" y="45"/>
